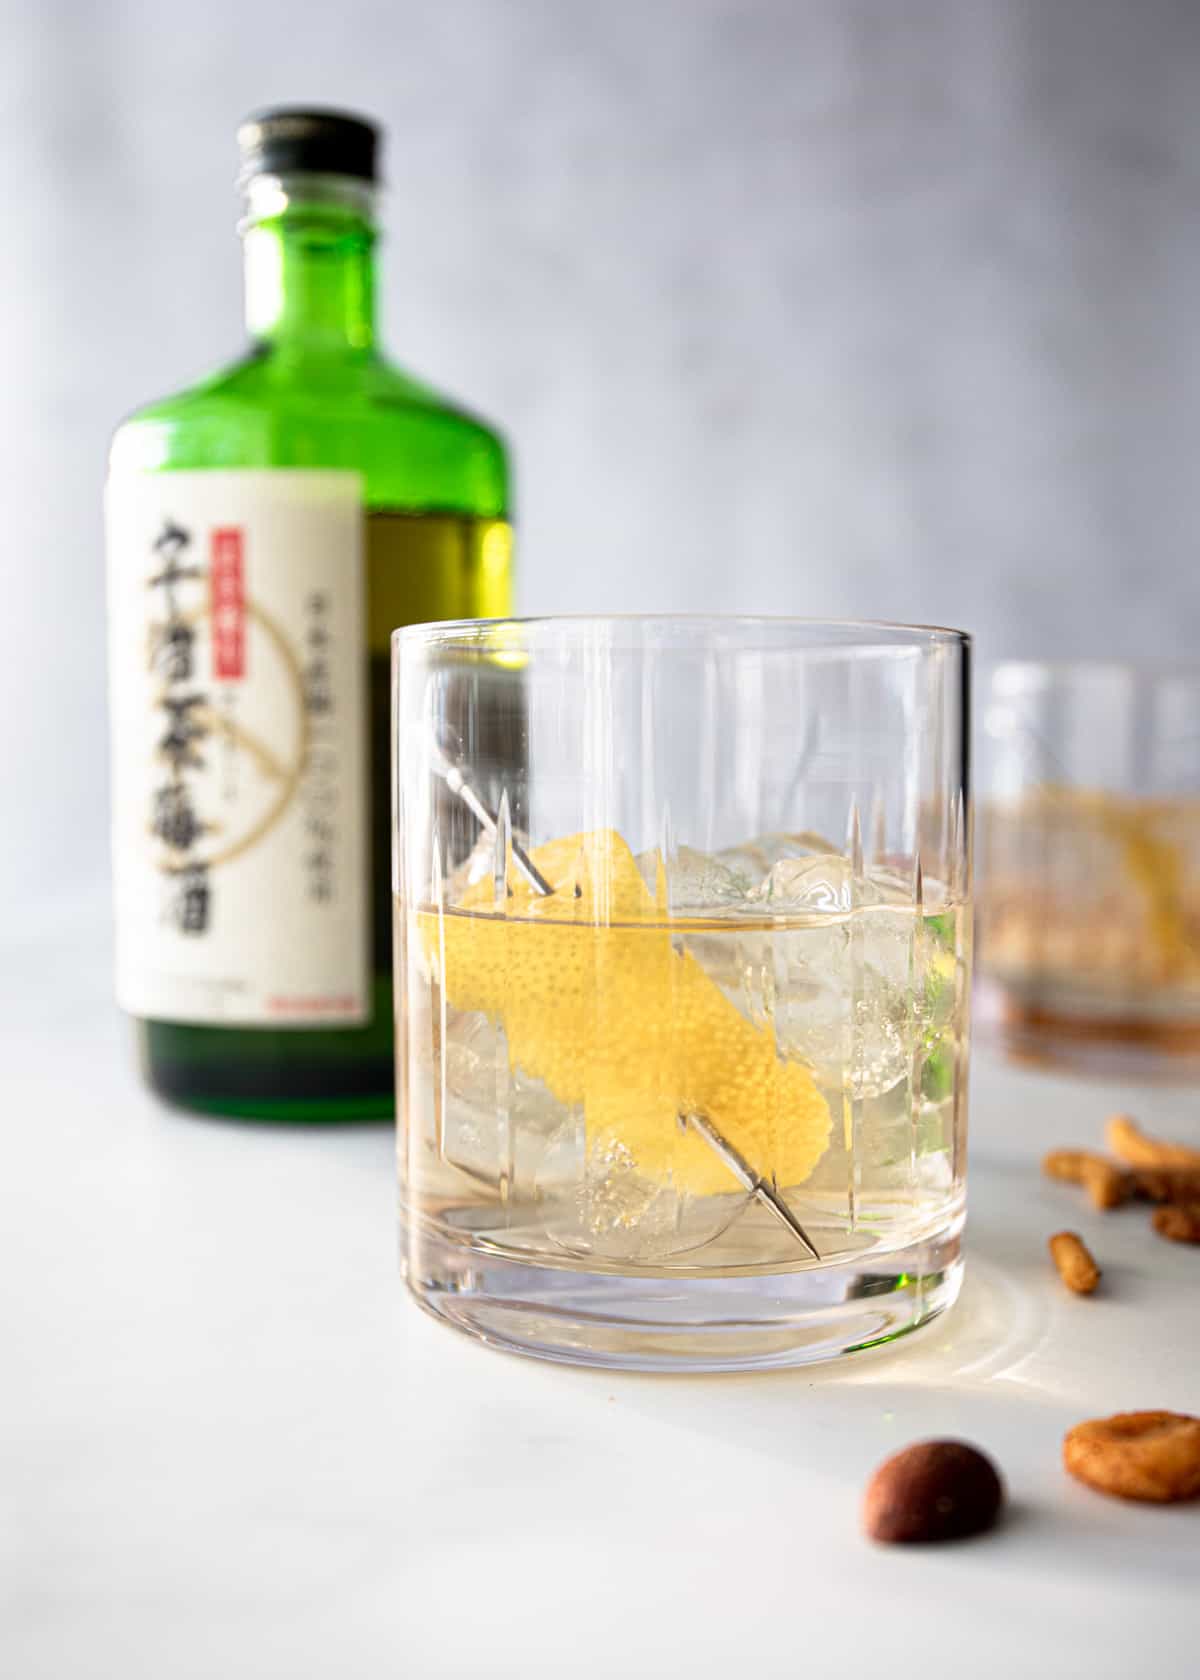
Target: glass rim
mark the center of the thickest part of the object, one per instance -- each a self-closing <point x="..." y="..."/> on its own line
<point x="880" y="634"/>
<point x="1092" y="665"/>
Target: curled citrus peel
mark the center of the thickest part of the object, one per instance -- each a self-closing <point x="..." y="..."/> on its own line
<point x="597" y="1003"/>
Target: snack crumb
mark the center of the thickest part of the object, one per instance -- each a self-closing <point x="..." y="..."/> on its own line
<point x="1168" y="1184"/>
<point x="1151" y="1456"/>
<point x="1180" y="1223"/>
<point x="1129" y="1143"/>
<point x="1108" y="1186"/>
<point x="1074" y="1262"/>
<point x="1066" y="1165"/>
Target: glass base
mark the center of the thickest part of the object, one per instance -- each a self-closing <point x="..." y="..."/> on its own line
<point x="735" y="1322"/>
<point x="1100" y="1044"/>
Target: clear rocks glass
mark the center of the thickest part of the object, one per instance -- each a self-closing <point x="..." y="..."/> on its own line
<point x="682" y="936"/>
<point x="1089" y="904"/>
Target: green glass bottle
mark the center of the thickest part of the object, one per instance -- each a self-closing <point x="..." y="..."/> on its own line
<point x="267" y="530"/>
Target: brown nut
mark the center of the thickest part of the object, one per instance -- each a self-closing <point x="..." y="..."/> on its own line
<point x="935" y="1490"/>
<point x="1108" y="1186"/>
<point x="1137" y="1149"/>
<point x="1137" y="1455"/>
<point x="1180" y="1223"/>
<point x="1075" y="1265"/>
<point x="1168" y="1184"/>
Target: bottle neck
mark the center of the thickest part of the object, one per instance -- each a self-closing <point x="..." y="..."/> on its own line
<point x="309" y="244"/>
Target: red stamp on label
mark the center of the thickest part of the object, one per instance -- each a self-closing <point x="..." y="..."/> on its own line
<point x="227" y="589"/>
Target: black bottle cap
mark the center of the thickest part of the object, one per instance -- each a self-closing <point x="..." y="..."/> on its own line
<point x="291" y="138"/>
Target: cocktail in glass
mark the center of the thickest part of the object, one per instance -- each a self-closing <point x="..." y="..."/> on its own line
<point x="1089" y="907"/>
<point x="683" y="954"/>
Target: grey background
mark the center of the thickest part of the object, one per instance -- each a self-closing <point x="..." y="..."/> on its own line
<point x="877" y="307"/>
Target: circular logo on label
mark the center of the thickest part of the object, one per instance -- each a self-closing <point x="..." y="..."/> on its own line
<point x="233" y="741"/>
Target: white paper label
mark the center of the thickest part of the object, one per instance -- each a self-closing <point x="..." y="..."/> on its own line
<point x="238" y="694"/>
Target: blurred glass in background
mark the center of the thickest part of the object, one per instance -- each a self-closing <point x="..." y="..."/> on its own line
<point x="1089" y="862"/>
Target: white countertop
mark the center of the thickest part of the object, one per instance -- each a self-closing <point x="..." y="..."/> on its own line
<point x="234" y="1448"/>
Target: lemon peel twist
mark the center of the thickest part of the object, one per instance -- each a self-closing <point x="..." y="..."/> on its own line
<point x="596" y="1001"/>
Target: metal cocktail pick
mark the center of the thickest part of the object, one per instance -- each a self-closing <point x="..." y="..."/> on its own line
<point x="759" y="1187"/>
